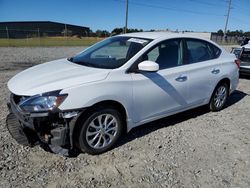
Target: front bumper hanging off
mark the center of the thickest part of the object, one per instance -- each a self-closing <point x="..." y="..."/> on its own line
<point x="51" y="130"/>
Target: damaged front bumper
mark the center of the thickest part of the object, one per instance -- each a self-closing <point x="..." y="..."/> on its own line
<point x="53" y="131"/>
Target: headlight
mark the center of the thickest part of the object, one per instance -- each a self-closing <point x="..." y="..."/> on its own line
<point x="42" y="102"/>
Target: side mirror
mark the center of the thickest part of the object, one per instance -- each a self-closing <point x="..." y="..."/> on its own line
<point x="148" y="66"/>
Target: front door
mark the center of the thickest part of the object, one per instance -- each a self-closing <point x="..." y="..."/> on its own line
<point x="156" y="94"/>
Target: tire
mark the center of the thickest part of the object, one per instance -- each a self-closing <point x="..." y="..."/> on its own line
<point x="219" y="97"/>
<point x="16" y="130"/>
<point x="100" y="131"/>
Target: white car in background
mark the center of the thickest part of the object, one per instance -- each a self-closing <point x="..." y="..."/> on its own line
<point x="86" y="102"/>
<point x="243" y="53"/>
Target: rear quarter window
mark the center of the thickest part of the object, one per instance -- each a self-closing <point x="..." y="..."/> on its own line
<point x="216" y="50"/>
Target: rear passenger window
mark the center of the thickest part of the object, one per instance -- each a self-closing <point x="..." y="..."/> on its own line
<point x="198" y="51"/>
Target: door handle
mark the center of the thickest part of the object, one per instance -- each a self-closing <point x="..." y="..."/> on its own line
<point x="181" y="78"/>
<point x="215" y="71"/>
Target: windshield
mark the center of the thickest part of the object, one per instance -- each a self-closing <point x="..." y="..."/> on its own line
<point x="110" y="53"/>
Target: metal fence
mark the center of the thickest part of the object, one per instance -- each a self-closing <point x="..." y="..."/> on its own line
<point x="67" y="37"/>
<point x="38" y="37"/>
<point x="27" y="33"/>
<point x="220" y="39"/>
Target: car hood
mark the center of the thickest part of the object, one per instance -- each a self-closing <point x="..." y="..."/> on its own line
<point x="54" y="75"/>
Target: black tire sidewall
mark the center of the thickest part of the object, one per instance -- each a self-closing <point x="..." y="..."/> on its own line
<point x="83" y="144"/>
<point x="212" y="105"/>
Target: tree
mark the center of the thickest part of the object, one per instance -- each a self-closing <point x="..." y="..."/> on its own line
<point x="220" y="32"/>
<point x="134" y="30"/>
<point x="117" y="31"/>
<point x="247" y="34"/>
<point x="91" y="33"/>
<point x="102" y="33"/>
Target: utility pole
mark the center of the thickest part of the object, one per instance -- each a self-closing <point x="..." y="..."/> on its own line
<point x="65" y="33"/>
<point x="38" y="32"/>
<point x="7" y="33"/>
<point x="8" y="36"/>
<point x="65" y="30"/>
<point x="228" y="12"/>
<point x="38" y="35"/>
<point x="126" y="21"/>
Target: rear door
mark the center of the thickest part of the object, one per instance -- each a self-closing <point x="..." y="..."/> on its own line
<point x="203" y="70"/>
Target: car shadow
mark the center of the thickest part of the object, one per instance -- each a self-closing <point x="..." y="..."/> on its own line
<point x="148" y="128"/>
<point x="162" y="83"/>
<point x="235" y="97"/>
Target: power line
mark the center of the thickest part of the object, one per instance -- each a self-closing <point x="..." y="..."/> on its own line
<point x="186" y="10"/>
<point x="242" y="21"/>
<point x="241" y="9"/>
<point x="170" y="9"/>
<point x="205" y="3"/>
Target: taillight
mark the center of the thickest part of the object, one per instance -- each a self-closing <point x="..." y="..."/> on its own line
<point x="237" y="62"/>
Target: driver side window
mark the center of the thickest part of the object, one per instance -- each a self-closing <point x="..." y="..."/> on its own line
<point x="167" y="54"/>
<point x="152" y="55"/>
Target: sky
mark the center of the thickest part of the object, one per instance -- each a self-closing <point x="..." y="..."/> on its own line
<point x="193" y="15"/>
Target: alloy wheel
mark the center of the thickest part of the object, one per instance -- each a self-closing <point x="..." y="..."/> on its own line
<point x="220" y="96"/>
<point x="101" y="131"/>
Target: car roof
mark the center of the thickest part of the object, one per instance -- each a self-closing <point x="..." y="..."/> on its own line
<point x="163" y="35"/>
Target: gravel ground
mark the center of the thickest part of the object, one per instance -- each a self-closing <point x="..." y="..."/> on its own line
<point x="192" y="149"/>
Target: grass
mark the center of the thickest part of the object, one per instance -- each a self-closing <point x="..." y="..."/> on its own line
<point x="49" y="41"/>
<point x="55" y="41"/>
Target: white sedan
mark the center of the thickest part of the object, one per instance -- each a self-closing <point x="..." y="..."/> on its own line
<point x="86" y="102"/>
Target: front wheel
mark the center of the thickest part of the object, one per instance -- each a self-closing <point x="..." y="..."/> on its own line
<point x="219" y="97"/>
<point x="100" y="131"/>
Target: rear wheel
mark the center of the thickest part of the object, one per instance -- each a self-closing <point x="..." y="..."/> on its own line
<point x="219" y="97"/>
<point x="100" y="131"/>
